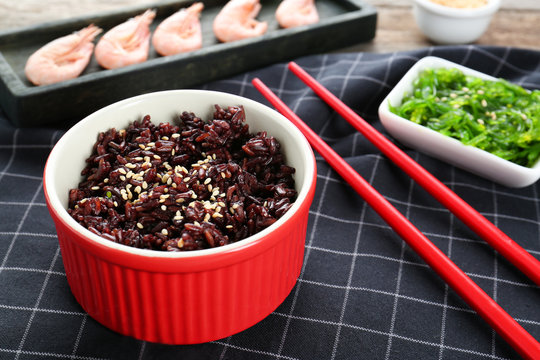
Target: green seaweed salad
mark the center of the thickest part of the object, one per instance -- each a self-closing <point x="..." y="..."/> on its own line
<point x="496" y="116"/>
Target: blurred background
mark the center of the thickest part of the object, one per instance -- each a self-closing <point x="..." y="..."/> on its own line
<point x="515" y="24"/>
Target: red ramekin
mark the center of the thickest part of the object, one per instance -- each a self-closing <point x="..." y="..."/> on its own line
<point x="184" y="297"/>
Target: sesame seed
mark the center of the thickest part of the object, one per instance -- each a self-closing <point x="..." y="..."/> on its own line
<point x="165" y="138"/>
<point x="137" y="189"/>
<point x="209" y="187"/>
<point x="169" y="181"/>
<point x="106" y="180"/>
<point x="235" y="206"/>
<point x="174" y="136"/>
<point x="265" y="204"/>
<point x="150" y="144"/>
<point x="186" y="179"/>
<point x="172" y="152"/>
<point x="180" y="200"/>
<point x="164" y="232"/>
<point x="231" y="209"/>
<point x="145" y="185"/>
<point x="138" y="158"/>
<point x="131" y="166"/>
<point x="163" y="207"/>
<point x="229" y="226"/>
<point x="142" y="146"/>
<point x="140" y="226"/>
<point x="194" y="196"/>
<point x="122" y="171"/>
<point x="122" y="177"/>
<point x="180" y="242"/>
<point x="147" y="159"/>
<point x="157" y="157"/>
<point x="214" y="156"/>
<point x="207" y="181"/>
<point x="95" y="187"/>
<point x="129" y="175"/>
<point x="217" y="215"/>
<point x="221" y="203"/>
<point x="115" y="204"/>
<point x="206" y="217"/>
<point x="197" y="223"/>
<point x="125" y="197"/>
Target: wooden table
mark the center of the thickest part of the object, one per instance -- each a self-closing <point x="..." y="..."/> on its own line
<point x="516" y="24"/>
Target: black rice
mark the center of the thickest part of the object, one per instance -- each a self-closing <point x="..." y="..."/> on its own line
<point x="194" y="185"/>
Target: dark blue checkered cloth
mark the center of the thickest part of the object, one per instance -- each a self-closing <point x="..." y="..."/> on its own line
<point x="363" y="293"/>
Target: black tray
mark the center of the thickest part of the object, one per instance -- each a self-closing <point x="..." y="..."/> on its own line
<point x="343" y="23"/>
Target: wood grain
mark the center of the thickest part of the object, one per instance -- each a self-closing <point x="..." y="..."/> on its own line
<point x="516" y="24"/>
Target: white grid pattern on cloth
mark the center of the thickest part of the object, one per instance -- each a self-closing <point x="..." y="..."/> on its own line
<point x="359" y="306"/>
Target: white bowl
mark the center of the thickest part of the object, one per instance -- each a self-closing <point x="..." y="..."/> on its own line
<point x="448" y="25"/>
<point x="443" y="147"/>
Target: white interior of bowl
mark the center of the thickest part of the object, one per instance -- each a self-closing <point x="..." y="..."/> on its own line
<point x="67" y="158"/>
<point x="491" y="7"/>
<point x="444" y="147"/>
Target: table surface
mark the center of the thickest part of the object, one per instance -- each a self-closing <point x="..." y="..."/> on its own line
<point x="396" y="28"/>
<point x="358" y="296"/>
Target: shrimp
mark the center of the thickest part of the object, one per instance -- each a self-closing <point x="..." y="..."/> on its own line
<point x="291" y="13"/>
<point x="127" y="43"/>
<point x="180" y="32"/>
<point x="237" y="21"/>
<point x="62" y="59"/>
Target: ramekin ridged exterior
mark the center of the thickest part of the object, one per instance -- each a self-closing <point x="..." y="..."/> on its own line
<point x="184" y="298"/>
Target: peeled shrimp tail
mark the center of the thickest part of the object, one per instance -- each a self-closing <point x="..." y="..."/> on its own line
<point x="62" y="59"/>
<point x="143" y="21"/>
<point x="292" y="13"/>
<point x="236" y="21"/>
<point x="86" y="35"/>
<point x="180" y="32"/>
<point x="192" y="14"/>
<point x="127" y="43"/>
<point x="196" y="8"/>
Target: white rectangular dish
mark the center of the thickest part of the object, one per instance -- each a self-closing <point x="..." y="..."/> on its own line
<point x="443" y="147"/>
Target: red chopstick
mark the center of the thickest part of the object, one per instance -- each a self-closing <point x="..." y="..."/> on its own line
<point x="514" y="253"/>
<point x="473" y="295"/>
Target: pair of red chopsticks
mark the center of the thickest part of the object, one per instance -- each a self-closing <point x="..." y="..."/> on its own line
<point x="477" y="299"/>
